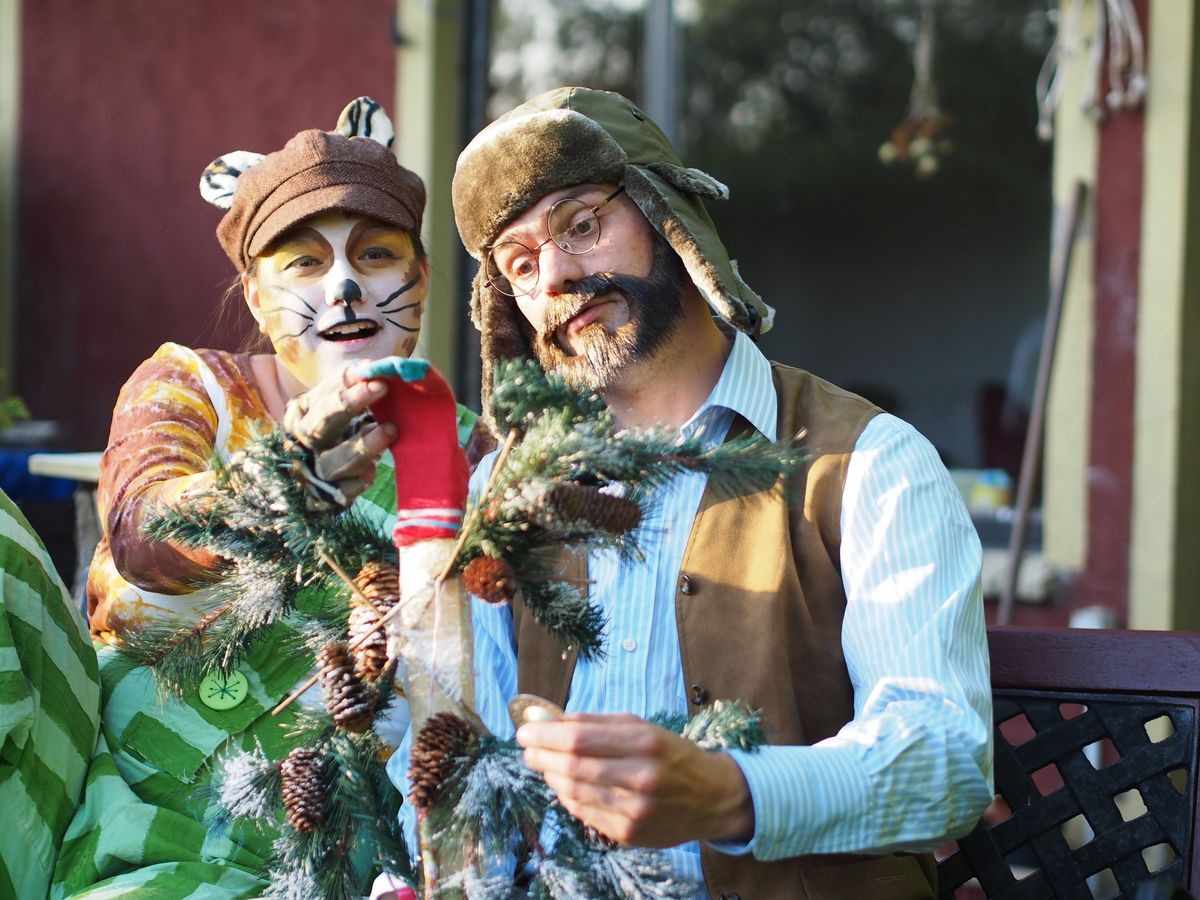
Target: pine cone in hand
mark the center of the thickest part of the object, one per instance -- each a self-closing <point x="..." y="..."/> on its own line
<point x="348" y="699"/>
<point x="444" y="738"/>
<point x="302" y="785"/>
<point x="490" y="579"/>
<point x="380" y="582"/>
<point x="578" y="502"/>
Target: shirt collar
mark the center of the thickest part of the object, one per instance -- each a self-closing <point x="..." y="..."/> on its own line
<point x="745" y="387"/>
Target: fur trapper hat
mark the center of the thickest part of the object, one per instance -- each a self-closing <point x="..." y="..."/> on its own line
<point x="351" y="169"/>
<point x="574" y="135"/>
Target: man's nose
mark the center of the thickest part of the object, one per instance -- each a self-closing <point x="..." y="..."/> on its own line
<point x="558" y="270"/>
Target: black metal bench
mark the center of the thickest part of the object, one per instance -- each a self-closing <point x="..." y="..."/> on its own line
<point x="1096" y="747"/>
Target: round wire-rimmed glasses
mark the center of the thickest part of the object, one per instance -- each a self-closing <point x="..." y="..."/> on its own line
<point x="574" y="227"/>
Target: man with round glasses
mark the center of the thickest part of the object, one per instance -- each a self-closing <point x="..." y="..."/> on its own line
<point x="846" y="608"/>
<point x="572" y="225"/>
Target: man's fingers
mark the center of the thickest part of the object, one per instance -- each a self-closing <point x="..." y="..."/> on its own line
<point x="629" y="774"/>
<point x="607" y="719"/>
<point x="607" y="736"/>
<point x="614" y="812"/>
<point x="585" y="795"/>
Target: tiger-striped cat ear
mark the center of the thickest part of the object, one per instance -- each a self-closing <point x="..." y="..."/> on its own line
<point x="220" y="176"/>
<point x="365" y="118"/>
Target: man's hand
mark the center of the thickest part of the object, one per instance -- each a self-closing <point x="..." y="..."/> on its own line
<point x="637" y="783"/>
<point x="319" y="419"/>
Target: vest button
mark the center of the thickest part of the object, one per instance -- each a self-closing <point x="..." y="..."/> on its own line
<point x="699" y="694"/>
<point x="685" y="585"/>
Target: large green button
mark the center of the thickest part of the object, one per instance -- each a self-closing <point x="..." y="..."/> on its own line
<point x="220" y="692"/>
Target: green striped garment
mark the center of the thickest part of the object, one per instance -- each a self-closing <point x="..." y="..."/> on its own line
<point x="142" y="823"/>
<point x="49" y="707"/>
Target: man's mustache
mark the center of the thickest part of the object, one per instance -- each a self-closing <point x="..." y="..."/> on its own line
<point x="565" y="307"/>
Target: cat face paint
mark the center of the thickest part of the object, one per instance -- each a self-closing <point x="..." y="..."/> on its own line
<point x="338" y="288"/>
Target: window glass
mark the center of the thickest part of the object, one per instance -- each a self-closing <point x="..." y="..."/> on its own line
<point x="542" y="44"/>
<point x="918" y="284"/>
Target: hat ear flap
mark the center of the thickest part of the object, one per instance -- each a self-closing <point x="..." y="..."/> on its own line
<point x="365" y="118"/>
<point x="220" y="177"/>
<point x="690" y="181"/>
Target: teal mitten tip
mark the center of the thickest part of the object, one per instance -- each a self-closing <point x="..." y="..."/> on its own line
<point x="406" y="369"/>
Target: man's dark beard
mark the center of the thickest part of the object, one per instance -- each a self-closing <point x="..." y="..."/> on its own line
<point x="655" y="306"/>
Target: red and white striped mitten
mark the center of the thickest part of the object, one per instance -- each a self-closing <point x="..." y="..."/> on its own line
<point x="431" y="468"/>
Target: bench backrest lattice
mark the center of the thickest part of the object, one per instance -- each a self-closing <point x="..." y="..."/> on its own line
<point x="1096" y="755"/>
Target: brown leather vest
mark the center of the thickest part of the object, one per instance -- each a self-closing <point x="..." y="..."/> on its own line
<point x="762" y="624"/>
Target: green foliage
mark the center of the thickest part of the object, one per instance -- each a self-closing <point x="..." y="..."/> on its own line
<point x="359" y="834"/>
<point x="491" y="801"/>
<point x="260" y="520"/>
<point x="570" y="437"/>
<point x="522" y="393"/>
<point x="11" y="409"/>
<point x="563" y="610"/>
<point x="725" y="725"/>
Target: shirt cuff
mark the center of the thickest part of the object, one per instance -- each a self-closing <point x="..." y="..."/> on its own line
<point x="806" y="800"/>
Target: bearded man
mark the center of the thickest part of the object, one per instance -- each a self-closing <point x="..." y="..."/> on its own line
<point x="847" y="608"/>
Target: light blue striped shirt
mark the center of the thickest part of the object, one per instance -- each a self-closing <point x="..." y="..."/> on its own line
<point x="915" y="762"/>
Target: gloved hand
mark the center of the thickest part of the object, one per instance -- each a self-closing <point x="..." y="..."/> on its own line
<point x="331" y="420"/>
<point x="431" y="469"/>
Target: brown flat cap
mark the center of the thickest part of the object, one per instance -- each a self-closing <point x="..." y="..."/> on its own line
<point x="318" y="172"/>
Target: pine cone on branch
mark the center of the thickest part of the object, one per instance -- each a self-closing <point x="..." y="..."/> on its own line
<point x="302" y="786"/>
<point x="490" y="579"/>
<point x="348" y="699"/>
<point x="443" y="738"/>
<point x="575" y="502"/>
<point x="380" y="582"/>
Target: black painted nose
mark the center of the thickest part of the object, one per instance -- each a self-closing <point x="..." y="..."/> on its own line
<point x="348" y="291"/>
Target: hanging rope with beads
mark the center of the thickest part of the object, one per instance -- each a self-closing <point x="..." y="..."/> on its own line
<point x="920" y="139"/>
<point x="1116" y="46"/>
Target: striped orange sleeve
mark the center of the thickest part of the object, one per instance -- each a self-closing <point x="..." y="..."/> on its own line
<point x="160" y="446"/>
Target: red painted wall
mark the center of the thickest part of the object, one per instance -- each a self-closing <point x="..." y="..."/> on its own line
<point x="123" y="103"/>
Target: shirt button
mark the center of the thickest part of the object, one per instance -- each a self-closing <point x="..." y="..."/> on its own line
<point x="221" y="692"/>
<point x="629" y="644"/>
<point x="685" y="585"/>
<point x="699" y="694"/>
